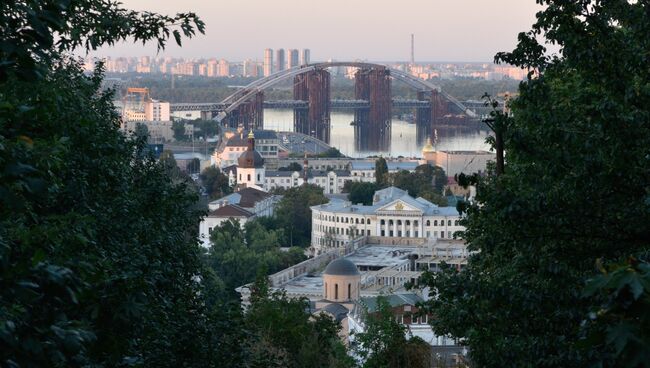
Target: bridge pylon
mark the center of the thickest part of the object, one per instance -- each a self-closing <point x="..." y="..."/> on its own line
<point x="373" y="125"/>
<point x="249" y="114"/>
<point x="313" y="87"/>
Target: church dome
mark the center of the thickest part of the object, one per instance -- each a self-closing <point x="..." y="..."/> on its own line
<point x="341" y="267"/>
<point x="428" y="147"/>
<point x="250" y="158"/>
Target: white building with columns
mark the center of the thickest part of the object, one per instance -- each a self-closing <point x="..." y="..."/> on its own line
<point x="393" y="214"/>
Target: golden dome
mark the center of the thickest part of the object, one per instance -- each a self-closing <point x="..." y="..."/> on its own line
<point x="428" y="147"/>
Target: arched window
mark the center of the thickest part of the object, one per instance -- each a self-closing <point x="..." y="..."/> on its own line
<point x="390" y="222"/>
<point x="368" y="222"/>
<point x="349" y="291"/>
<point x="362" y="221"/>
<point x="399" y="222"/>
<point x="408" y="222"/>
<point x="448" y="222"/>
<point x="428" y="222"/>
<point x="456" y="223"/>
<point x="356" y="220"/>
<point x="336" y="291"/>
<point x="435" y="222"/>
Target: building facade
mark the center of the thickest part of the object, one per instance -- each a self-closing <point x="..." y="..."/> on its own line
<point x="393" y="214"/>
<point x="268" y="62"/>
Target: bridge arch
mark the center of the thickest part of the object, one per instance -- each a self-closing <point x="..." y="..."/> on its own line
<point x="233" y="101"/>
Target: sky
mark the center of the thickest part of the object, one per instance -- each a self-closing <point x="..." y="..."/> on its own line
<point x="379" y="30"/>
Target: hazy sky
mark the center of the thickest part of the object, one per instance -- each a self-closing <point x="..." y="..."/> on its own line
<point x="379" y="30"/>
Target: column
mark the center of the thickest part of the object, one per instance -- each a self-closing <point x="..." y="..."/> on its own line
<point x="403" y="227"/>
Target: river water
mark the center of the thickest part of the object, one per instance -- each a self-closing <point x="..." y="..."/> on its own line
<point x="404" y="140"/>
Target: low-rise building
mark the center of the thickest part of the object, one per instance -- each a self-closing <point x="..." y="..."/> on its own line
<point x="346" y="282"/>
<point x="393" y="214"/>
<point x="243" y="205"/>
<point x="266" y="144"/>
<point x="332" y="181"/>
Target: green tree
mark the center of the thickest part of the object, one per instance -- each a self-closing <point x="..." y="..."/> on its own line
<point x="384" y="342"/>
<point x="284" y="334"/>
<point x="178" y="128"/>
<point x="573" y="190"/>
<point x="141" y="130"/>
<point x="361" y="192"/>
<point x="381" y="172"/>
<point x="97" y="268"/>
<point x="294" y="214"/>
<point x="216" y="183"/>
<point x="236" y="255"/>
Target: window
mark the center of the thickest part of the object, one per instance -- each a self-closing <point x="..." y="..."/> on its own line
<point x="399" y="222"/>
<point x="356" y="221"/>
<point x="390" y="233"/>
<point x="408" y="222"/>
<point x="325" y="290"/>
<point x="390" y="222"/>
<point x="448" y="222"/>
<point x="383" y="233"/>
<point x="416" y="320"/>
<point x="449" y="234"/>
<point x="368" y="222"/>
<point x="417" y="234"/>
<point x="435" y="222"/>
<point x="249" y="177"/>
<point x="415" y="223"/>
<point x="456" y="223"/>
<point x="259" y="177"/>
<point x="336" y="291"/>
<point x="383" y="222"/>
<point x="442" y="235"/>
<point x="349" y="291"/>
<point x="428" y="234"/>
<point x="209" y="230"/>
<point x="368" y="232"/>
<point x="428" y="223"/>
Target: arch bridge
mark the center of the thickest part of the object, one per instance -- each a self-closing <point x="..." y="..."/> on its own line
<point x="312" y="103"/>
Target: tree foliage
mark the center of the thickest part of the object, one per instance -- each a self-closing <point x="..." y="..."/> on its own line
<point x="384" y="342"/>
<point x="574" y="191"/>
<point x="381" y="172"/>
<point x="361" y="192"/>
<point x="294" y="215"/>
<point x="216" y="183"/>
<point x="237" y="254"/>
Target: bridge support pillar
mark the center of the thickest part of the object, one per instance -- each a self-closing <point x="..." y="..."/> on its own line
<point x="423" y="126"/>
<point x="314" y="87"/>
<point x="373" y="125"/>
<point x="249" y="114"/>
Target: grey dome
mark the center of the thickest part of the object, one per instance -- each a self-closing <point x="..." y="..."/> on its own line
<point x="250" y="159"/>
<point x="341" y="267"/>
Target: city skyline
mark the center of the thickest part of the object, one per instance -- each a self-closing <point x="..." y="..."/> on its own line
<point x="345" y="31"/>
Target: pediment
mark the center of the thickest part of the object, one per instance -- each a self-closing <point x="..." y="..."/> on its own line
<point x="398" y="206"/>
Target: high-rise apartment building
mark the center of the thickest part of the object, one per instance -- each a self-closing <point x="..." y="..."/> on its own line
<point x="292" y="58"/>
<point x="268" y="62"/>
<point x="249" y="68"/>
<point x="279" y="60"/>
<point x="213" y="68"/>
<point x="304" y="56"/>
<point x="224" y="68"/>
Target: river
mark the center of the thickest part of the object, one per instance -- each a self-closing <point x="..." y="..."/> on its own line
<point x="403" y="140"/>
